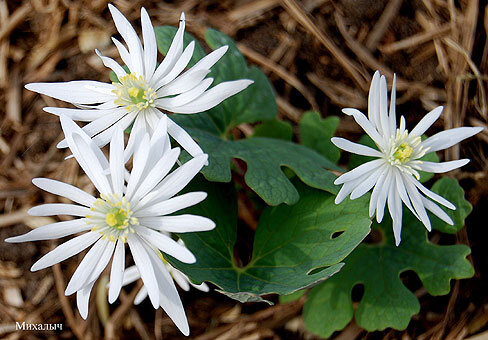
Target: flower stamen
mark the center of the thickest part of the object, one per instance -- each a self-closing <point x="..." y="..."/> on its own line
<point x="134" y="93"/>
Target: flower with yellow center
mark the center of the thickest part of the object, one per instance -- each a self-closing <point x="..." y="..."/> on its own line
<point x="135" y="209"/>
<point x="394" y="175"/>
<point x="148" y="91"/>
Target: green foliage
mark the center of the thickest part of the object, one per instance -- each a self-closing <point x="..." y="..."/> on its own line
<point x="316" y="133"/>
<point x="357" y="160"/>
<point x="386" y="301"/>
<point x="290" y="242"/>
<point x="274" y="129"/>
<point x="265" y="157"/>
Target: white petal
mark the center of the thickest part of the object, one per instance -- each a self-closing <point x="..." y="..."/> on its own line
<point x="383" y="195"/>
<point x="448" y="138"/>
<point x="141" y="295"/>
<point x="141" y="155"/>
<point x="169" y="298"/>
<point x="137" y="133"/>
<point x="65" y="190"/>
<point x="395" y="209"/>
<point x="184" y="139"/>
<point x="150" y="47"/>
<point x="117" y="271"/>
<point x="130" y="36"/>
<point x="181" y="280"/>
<point x="377" y="190"/>
<point x="142" y="261"/>
<point x="367" y="184"/>
<point x="91" y="266"/>
<point x="112" y="64"/>
<point x="201" y="287"/>
<point x="160" y="169"/>
<point x="124" y="54"/>
<point x="349" y="186"/>
<point x="442" y="167"/>
<point x="82" y="115"/>
<point x="176" y="181"/>
<point x="183" y="83"/>
<point x="104" y="122"/>
<point x="359" y="171"/>
<point x="384" y="108"/>
<point x="166" y="244"/>
<point x="51" y="209"/>
<point x="366" y="126"/>
<point x="78" y="92"/>
<point x="131" y="274"/>
<point x="178" y="67"/>
<point x="184" y="98"/>
<point x="392" y="115"/>
<point x="83" y="299"/>
<point x="356" y="148"/>
<point x="117" y="167"/>
<point x="436" y="210"/>
<point x="178" y="224"/>
<point x="174" y="53"/>
<point x="104" y="137"/>
<point x="66" y="250"/>
<point x="214" y="96"/>
<point x="416" y="200"/>
<point x="400" y="186"/>
<point x="209" y="60"/>
<point x="373" y="101"/>
<point x="52" y="231"/>
<point x="433" y="195"/>
<point x="427" y="121"/>
<point x="172" y="205"/>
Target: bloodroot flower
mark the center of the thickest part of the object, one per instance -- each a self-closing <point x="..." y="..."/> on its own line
<point x="136" y="214"/>
<point x="148" y="88"/>
<point x="394" y="175"/>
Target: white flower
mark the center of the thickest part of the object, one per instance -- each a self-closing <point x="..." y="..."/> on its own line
<point x="146" y="89"/>
<point x="135" y="214"/>
<point x="394" y="175"/>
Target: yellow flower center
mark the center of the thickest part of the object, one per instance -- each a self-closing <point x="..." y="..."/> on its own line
<point x="403" y="153"/>
<point x="112" y="217"/>
<point x="134" y="93"/>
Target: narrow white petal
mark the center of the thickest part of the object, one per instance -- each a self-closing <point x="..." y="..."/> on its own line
<point x="130" y="36"/>
<point x="359" y="171"/>
<point x="448" y="138"/>
<point x="82" y="115"/>
<point x="402" y="125"/>
<point x="436" y="210"/>
<point x="172" y="205"/>
<point x="368" y="183"/>
<point x="416" y="200"/>
<point x="201" y="287"/>
<point x="442" y="167"/>
<point x="209" y="60"/>
<point x="150" y="47"/>
<point x="117" y="167"/>
<point x="131" y="274"/>
<point x="178" y="224"/>
<point x="104" y="137"/>
<point x="180" y="280"/>
<point x="137" y="133"/>
<point x="174" y="53"/>
<point x="83" y="274"/>
<point x="169" y="298"/>
<point x="124" y="54"/>
<point x="51" y="209"/>
<point x="66" y="250"/>
<point x="83" y="299"/>
<point x="383" y="195"/>
<point x="112" y="64"/>
<point x="141" y="295"/>
<point x="142" y="261"/>
<point x="184" y="98"/>
<point x="385" y="128"/>
<point x="433" y="195"/>
<point x="392" y="115"/>
<point x="395" y="209"/>
<point x="427" y="121"/>
<point x="214" y="96"/>
<point x="349" y="186"/>
<point x="402" y="191"/>
<point x="183" y="83"/>
<point x="366" y="126"/>
<point x="178" y="67"/>
<point x="64" y="190"/>
<point x="184" y="139"/>
<point x="373" y="101"/>
<point x="166" y="244"/>
<point x="52" y="231"/>
<point x="141" y="155"/>
<point x="356" y="148"/>
<point x="77" y="92"/>
<point x="116" y="272"/>
<point x="377" y="190"/>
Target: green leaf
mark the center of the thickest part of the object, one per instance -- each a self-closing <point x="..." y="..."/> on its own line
<point x="386" y="302"/>
<point x="450" y="189"/>
<point x="290" y="242"/>
<point x="164" y="37"/>
<point x="274" y="129"/>
<point x="316" y="133"/>
<point x="293" y="296"/>
<point x="357" y="160"/>
<point x="265" y="158"/>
